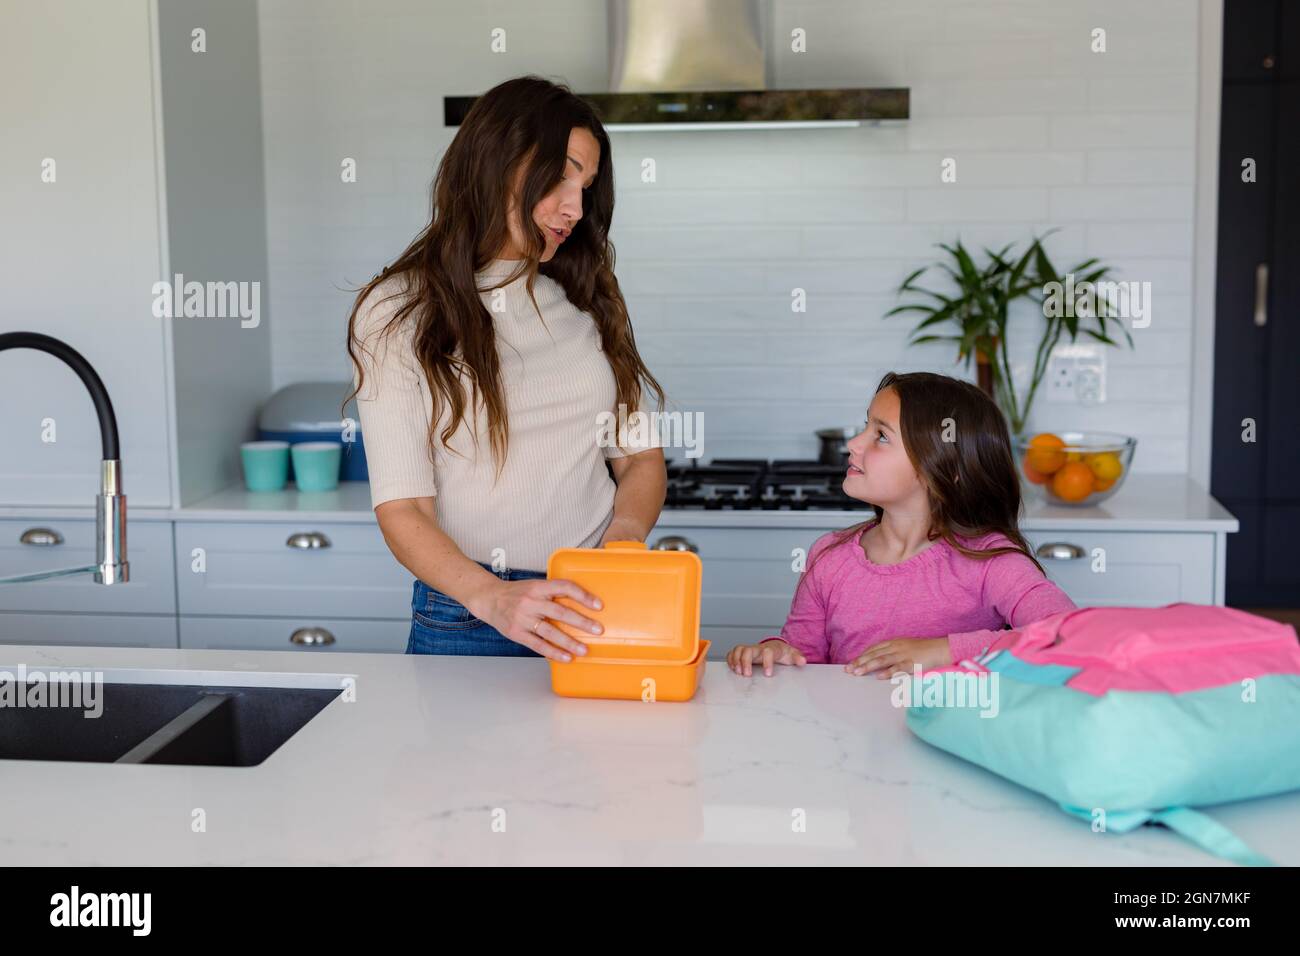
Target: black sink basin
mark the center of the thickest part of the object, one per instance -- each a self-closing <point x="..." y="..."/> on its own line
<point x="195" y="724"/>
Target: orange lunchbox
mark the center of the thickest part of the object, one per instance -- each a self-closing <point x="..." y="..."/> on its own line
<point x="650" y="648"/>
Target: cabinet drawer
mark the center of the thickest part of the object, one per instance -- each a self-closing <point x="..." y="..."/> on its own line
<point x="251" y="569"/>
<point x="275" y="634"/>
<point x="749" y="577"/>
<point x="1142" y="570"/>
<point x="149" y="551"/>
<point x="91" y="630"/>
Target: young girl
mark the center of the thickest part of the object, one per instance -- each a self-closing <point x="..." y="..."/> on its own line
<point x="942" y="567"/>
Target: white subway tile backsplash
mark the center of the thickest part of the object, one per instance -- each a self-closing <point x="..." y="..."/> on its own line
<point x="665" y="207"/>
<point x="870" y="240"/>
<point x="691" y="386"/>
<point x="1086" y="203"/>
<point x="1125" y="93"/>
<point x="1124" y="130"/>
<point x="1141" y="384"/>
<point x="707" y="242"/>
<point x="866" y="205"/>
<point x="972" y="95"/>
<point x="946" y="133"/>
<point x="1125" y="166"/>
<point x="1111" y="239"/>
<point x="866" y="276"/>
<point x="985" y="57"/>
<point x="954" y="203"/>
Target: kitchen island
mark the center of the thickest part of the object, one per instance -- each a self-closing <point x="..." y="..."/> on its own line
<point x="475" y="761"/>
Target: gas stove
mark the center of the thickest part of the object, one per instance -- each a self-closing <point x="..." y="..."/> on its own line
<point x="750" y="484"/>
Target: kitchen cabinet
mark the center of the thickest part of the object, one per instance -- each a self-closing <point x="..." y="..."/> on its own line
<point x="74" y="609"/>
<point x="307" y="633"/>
<point x="1117" y="568"/>
<point x="1255" y="457"/>
<point x="290" y="569"/>
<point x="45" y="542"/>
<point x="98" y="630"/>
<point x="304" y="585"/>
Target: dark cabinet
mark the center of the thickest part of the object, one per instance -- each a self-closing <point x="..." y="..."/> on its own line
<point x="1257" y="303"/>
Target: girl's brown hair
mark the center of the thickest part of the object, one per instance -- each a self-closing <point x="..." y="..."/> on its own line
<point x="956" y="438"/>
<point x="520" y="125"/>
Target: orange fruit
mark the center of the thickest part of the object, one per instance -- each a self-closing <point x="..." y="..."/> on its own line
<point x="1073" y="481"/>
<point x="1045" y="454"/>
<point x="1101" y="484"/>
<point x="1037" y="477"/>
<point x="1105" y="466"/>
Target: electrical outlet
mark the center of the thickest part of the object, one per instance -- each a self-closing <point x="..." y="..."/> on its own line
<point x="1076" y="375"/>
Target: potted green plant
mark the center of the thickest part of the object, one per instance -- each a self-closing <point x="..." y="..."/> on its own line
<point x="978" y="306"/>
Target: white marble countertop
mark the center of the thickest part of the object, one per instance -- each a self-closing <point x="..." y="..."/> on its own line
<point x="1146" y="502"/>
<point x="435" y="749"/>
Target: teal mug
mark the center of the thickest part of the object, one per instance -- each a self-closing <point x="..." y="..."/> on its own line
<point x="266" y="464"/>
<point x="316" y="465"/>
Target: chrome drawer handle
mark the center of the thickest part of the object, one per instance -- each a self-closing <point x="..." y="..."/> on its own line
<point x="308" y="541"/>
<point x="1059" y="551"/>
<point x="674" y="542"/>
<point x="311" y="637"/>
<point x="43" y="537"/>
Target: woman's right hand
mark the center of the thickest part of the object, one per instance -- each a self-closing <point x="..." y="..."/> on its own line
<point x="516" y="609"/>
<point x="742" y="657"/>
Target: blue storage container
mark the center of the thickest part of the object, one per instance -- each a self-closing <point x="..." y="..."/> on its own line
<point x="309" y="411"/>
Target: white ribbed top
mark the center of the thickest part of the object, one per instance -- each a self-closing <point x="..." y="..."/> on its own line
<point x="554" y="491"/>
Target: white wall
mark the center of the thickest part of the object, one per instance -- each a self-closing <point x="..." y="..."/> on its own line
<point x="79" y="256"/>
<point x="1045" y="132"/>
<point x="216" y="230"/>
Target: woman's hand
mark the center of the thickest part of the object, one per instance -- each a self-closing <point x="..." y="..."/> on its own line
<point x="622" y="529"/>
<point x="517" y="610"/>
<point x="742" y="657"/>
<point x="901" y="654"/>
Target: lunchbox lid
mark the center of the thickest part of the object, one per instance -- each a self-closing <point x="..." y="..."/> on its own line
<point x="650" y="601"/>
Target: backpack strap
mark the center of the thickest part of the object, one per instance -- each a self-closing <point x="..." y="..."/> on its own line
<point x="1209" y="835"/>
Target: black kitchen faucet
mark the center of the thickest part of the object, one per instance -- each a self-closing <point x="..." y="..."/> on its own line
<point x="110" y="565"/>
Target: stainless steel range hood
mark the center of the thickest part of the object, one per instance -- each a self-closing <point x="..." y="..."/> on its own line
<point x="703" y="64"/>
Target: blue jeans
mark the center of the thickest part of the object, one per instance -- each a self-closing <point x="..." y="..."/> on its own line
<point x="442" y="625"/>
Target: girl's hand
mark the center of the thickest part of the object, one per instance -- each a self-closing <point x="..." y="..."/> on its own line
<point x="517" y="610"/>
<point x="741" y="657"/>
<point x="901" y="654"/>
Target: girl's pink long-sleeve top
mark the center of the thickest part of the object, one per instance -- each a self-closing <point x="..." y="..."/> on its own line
<point x="846" y="603"/>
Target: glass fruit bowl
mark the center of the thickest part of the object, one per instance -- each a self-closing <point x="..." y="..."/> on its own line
<point x="1074" y="468"/>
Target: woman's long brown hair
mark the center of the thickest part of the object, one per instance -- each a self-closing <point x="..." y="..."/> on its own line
<point x="521" y="124"/>
<point x="956" y="438"/>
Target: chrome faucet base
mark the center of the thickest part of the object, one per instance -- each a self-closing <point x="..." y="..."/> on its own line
<point x="110" y="526"/>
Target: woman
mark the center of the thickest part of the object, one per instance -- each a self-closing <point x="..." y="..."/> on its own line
<point x="484" y="358"/>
